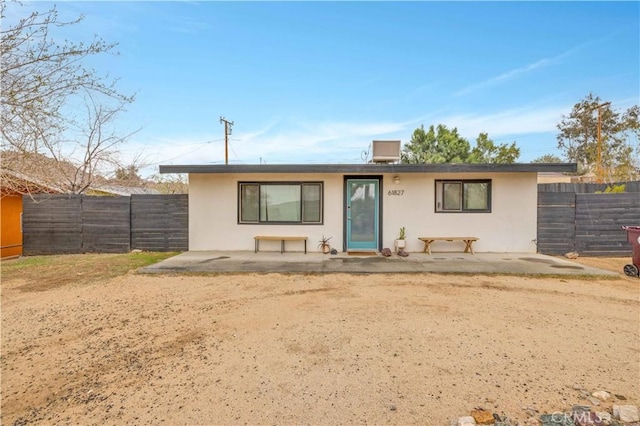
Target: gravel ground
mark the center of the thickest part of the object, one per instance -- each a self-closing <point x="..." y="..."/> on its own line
<point x="314" y="349"/>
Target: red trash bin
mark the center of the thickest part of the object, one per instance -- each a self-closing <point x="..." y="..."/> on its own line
<point x="633" y="236"/>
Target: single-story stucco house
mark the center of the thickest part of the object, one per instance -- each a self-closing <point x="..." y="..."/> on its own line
<point x="363" y="206"/>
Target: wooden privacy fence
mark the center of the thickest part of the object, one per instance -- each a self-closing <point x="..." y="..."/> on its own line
<point x="590" y="224"/>
<point x="63" y="224"/>
<point x="587" y="188"/>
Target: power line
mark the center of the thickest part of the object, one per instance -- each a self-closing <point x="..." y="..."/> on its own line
<point x="178" y="156"/>
<point x="233" y="151"/>
<point x="200" y="146"/>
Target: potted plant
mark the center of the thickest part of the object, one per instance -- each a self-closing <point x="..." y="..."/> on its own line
<point x="400" y="242"/>
<point x="324" y="244"/>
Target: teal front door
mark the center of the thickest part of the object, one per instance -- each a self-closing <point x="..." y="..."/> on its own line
<point x="362" y="197"/>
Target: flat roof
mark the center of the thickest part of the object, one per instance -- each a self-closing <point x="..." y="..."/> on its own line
<point x="372" y="168"/>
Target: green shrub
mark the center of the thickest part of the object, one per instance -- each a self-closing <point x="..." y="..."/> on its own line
<point x="613" y="189"/>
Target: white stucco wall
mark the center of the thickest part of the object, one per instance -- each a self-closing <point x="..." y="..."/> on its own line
<point x="213" y="214"/>
<point x="510" y="227"/>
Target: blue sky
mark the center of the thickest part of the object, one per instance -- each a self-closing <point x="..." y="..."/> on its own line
<point x="316" y="82"/>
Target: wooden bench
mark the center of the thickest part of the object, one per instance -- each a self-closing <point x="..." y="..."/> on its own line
<point x="281" y="238"/>
<point x="467" y="240"/>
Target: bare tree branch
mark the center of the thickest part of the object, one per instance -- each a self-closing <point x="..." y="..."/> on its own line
<point x="40" y="80"/>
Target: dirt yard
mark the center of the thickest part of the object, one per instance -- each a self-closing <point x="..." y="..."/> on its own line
<point x="312" y="349"/>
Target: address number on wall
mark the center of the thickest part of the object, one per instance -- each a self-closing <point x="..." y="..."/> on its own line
<point x="396" y="192"/>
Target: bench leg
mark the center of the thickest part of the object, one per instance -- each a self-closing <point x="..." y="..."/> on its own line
<point x="255" y="249"/>
<point x="427" y="246"/>
<point x="468" y="248"/>
<point x="305" y="246"/>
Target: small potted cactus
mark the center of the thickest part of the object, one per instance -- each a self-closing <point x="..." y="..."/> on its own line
<point x="400" y="242"/>
<point x="323" y="244"/>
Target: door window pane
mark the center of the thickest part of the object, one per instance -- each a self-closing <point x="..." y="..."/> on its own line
<point x="363" y="212"/>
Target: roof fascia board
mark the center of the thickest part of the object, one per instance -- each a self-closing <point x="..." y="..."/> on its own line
<point x="372" y="168"/>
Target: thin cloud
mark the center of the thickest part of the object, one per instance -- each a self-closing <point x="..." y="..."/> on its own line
<point x="280" y="142"/>
<point x="187" y="25"/>
<point x="516" y="121"/>
<point x="513" y="122"/>
<point x="513" y="73"/>
<point x="257" y="133"/>
<point x="326" y="142"/>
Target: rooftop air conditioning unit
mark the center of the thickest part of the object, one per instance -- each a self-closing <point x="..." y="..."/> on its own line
<point x="386" y="151"/>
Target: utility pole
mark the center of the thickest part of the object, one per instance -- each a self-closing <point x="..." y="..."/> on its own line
<point x="599" y="164"/>
<point x="227" y="131"/>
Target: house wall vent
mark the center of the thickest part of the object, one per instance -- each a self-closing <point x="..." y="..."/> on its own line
<point x="386" y="151"/>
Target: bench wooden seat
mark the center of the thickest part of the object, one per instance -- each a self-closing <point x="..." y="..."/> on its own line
<point x="281" y="238"/>
<point x="467" y="240"/>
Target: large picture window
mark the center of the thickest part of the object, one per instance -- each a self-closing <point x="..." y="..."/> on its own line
<point x="455" y="196"/>
<point x="267" y="202"/>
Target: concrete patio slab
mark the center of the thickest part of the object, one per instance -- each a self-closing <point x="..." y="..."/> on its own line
<point x="455" y="263"/>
